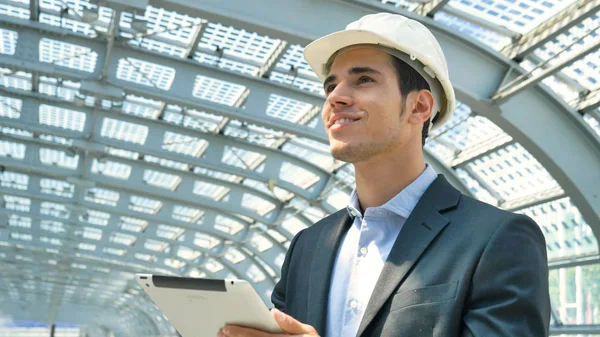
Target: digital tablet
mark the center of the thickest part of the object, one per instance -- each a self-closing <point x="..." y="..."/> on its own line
<point x="199" y="307"/>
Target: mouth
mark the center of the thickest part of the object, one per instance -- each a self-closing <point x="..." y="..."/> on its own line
<point x="338" y="124"/>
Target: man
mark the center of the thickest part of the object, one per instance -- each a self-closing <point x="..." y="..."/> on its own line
<point x="411" y="255"/>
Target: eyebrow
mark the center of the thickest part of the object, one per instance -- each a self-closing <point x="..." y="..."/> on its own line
<point x="352" y="71"/>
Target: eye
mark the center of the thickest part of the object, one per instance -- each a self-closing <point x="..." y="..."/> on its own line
<point x="364" y="79"/>
<point x="329" y="89"/>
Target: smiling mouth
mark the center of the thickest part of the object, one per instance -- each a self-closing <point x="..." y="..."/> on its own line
<point x="343" y="121"/>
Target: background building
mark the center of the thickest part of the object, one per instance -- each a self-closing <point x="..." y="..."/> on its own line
<point x="183" y="137"/>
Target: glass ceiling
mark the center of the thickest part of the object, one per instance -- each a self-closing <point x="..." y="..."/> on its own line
<point x="171" y="175"/>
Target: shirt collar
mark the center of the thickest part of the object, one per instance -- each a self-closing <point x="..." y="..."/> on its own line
<point x="405" y="201"/>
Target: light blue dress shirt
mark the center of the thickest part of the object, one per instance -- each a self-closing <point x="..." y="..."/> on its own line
<point x="362" y="253"/>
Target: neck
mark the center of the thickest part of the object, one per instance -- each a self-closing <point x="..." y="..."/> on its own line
<point x="381" y="178"/>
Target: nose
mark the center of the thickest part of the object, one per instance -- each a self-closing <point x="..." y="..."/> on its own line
<point x="340" y="96"/>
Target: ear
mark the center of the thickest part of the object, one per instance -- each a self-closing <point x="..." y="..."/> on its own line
<point x="421" y="106"/>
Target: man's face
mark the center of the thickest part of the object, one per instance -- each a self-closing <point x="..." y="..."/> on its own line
<point x="363" y="113"/>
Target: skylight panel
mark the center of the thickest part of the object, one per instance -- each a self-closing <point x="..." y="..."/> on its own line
<point x="289" y="109"/>
<point x="187" y="253"/>
<point x="68" y="24"/>
<point x="461" y="113"/>
<point x="233" y="255"/>
<point x="294" y="57"/>
<point x="227" y="64"/>
<point x="259" y="242"/>
<point x="125" y="131"/>
<point x="62" y="118"/>
<point x="239" y="43"/>
<point x="187" y="214"/>
<point x="192" y="119"/>
<point x="122" y="153"/>
<point x="228" y="225"/>
<point x="140" y="106"/>
<point x="169" y="232"/>
<point x="311" y="151"/>
<point x="52" y="241"/>
<point x="479" y="33"/>
<point x="242" y="158"/>
<point x="216" y="174"/>
<point x="158" y="46"/>
<point x="21" y="13"/>
<point x="566" y="232"/>
<point x="155" y="245"/>
<point x="12" y="149"/>
<point x="95" y="217"/>
<point x="111" y="169"/>
<point x="58" y="158"/>
<point x="123" y="239"/>
<point x="54" y="209"/>
<point x="218" y="91"/>
<point x="132" y="224"/>
<point x="253" y="133"/>
<point x="57" y="187"/>
<point x="102" y="196"/>
<point x="405" y="4"/>
<point x="8" y="41"/>
<point x="215" y="192"/>
<point x="68" y="55"/>
<point x="297" y="175"/>
<point x="298" y="82"/>
<point x="255" y="274"/>
<point x="145" y="257"/>
<point x="18" y="221"/>
<point x="10" y="107"/>
<point x="292" y="225"/>
<point x="145" y="73"/>
<point x="167" y="163"/>
<point x="513" y="173"/>
<point x="18" y="80"/>
<point x="161" y="179"/>
<point x="257" y="204"/>
<point x="86" y="246"/>
<point x="213" y="265"/>
<point x="186" y="145"/>
<point x="89" y="233"/>
<point x="205" y="241"/>
<point x="165" y="24"/>
<point x="593" y="123"/>
<point x="520" y="16"/>
<point x="20" y="236"/>
<point x="14" y="180"/>
<point x="144" y="205"/>
<point x="56" y="227"/>
<point x="174" y="263"/>
<point x="480" y="192"/>
<point x="196" y="273"/>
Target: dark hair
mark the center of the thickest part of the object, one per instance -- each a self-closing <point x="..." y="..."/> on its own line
<point x="410" y="80"/>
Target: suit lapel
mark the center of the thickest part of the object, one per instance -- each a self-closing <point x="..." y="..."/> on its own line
<point x="422" y="226"/>
<point x="322" y="268"/>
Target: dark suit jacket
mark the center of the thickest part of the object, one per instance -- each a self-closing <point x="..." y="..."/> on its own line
<point x="458" y="268"/>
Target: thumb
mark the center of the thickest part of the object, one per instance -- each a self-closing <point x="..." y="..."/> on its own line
<point x="292" y="326"/>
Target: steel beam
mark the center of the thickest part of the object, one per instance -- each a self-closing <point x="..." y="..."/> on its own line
<point x="574" y="262"/>
<point x="591" y="102"/>
<point x="522" y="82"/>
<point x="551" y="28"/>
<point x="592" y="329"/>
<point x="429" y="8"/>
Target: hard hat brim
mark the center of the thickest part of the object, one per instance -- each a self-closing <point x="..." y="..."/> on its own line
<point x="319" y="52"/>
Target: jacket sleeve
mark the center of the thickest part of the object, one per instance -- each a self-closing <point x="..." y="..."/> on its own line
<point x="278" y="295"/>
<point x="509" y="294"/>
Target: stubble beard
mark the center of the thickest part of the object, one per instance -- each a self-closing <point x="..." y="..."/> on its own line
<point x="363" y="151"/>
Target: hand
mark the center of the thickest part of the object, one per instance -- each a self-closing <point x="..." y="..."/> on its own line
<point x="288" y="324"/>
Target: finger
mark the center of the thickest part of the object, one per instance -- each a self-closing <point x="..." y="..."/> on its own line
<point x="292" y="326"/>
<point x="238" y="331"/>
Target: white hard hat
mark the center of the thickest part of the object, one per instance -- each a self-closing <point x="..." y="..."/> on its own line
<point x="396" y="33"/>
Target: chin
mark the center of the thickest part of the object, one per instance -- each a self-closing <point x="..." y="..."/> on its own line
<point x="348" y="153"/>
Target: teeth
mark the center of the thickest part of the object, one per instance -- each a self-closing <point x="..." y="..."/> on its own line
<point x="343" y="120"/>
